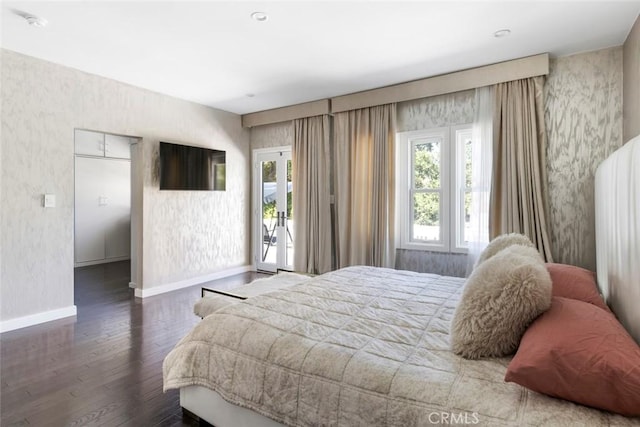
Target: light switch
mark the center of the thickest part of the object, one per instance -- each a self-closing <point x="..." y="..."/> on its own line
<point x="49" y="200"/>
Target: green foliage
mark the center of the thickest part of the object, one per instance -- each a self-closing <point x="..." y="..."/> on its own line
<point x="426" y="209"/>
<point x="269" y="175"/>
<point x="269" y="209"/>
<point x="426" y="175"/>
<point x="427" y="166"/>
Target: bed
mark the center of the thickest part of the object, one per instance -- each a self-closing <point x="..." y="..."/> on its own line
<point x="370" y="346"/>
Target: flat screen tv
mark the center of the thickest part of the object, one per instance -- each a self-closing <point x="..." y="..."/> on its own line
<point x="183" y="167"/>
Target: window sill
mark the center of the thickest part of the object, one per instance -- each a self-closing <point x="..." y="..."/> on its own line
<point x="438" y="249"/>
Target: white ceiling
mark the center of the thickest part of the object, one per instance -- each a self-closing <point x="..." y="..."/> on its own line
<point x="213" y="53"/>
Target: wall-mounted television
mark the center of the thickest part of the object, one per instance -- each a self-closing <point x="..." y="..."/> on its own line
<point x="183" y="167"/>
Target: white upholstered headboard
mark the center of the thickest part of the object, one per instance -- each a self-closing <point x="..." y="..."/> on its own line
<point x="617" y="199"/>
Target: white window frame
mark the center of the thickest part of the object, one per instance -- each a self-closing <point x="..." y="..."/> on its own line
<point x="452" y="163"/>
<point x="459" y="134"/>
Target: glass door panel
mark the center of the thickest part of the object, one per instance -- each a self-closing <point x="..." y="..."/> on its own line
<point x="269" y="252"/>
<point x="273" y="219"/>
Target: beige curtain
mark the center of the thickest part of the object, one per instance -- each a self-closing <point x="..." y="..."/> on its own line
<point x="311" y="195"/>
<point x="364" y="156"/>
<point x="519" y="200"/>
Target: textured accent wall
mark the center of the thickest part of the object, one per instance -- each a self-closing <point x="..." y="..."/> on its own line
<point x="272" y="135"/>
<point x="437" y="111"/>
<point x="583" y="114"/>
<point x="631" y="76"/>
<point x="444" y="110"/>
<point x="185" y="234"/>
<point x="445" y="264"/>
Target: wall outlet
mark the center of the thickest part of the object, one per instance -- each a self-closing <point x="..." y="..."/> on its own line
<point x="49" y="200"/>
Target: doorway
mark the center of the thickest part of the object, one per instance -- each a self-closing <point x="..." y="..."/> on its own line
<point x="273" y="214"/>
<point x="106" y="205"/>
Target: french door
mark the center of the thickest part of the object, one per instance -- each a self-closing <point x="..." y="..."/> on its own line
<point x="272" y="211"/>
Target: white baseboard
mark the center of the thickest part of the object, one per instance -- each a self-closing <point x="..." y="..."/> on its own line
<point x="144" y="293"/>
<point x="36" y="319"/>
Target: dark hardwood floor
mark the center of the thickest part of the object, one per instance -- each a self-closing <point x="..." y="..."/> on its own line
<point x="105" y="367"/>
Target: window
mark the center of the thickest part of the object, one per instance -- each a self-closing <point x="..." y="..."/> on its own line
<point x="434" y="188"/>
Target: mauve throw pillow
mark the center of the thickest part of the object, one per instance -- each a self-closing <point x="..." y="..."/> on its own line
<point x="579" y="352"/>
<point x="574" y="282"/>
<point x="501" y="298"/>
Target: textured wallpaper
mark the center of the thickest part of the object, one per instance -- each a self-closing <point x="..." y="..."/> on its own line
<point x="192" y="233"/>
<point x="445" y="264"/>
<point x="185" y="234"/>
<point x="37" y="158"/>
<point x="272" y="135"/>
<point x="443" y="110"/>
<point x="631" y="76"/>
<point x="583" y="114"/>
<point x="437" y="111"/>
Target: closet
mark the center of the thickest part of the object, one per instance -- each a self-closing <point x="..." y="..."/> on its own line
<point x="102" y="197"/>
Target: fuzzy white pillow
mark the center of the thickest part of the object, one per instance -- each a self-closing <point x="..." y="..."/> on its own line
<point x="501" y="242"/>
<point x="501" y="298"/>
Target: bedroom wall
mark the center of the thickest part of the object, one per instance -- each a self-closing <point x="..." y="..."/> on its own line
<point x="583" y="114"/>
<point x="631" y="76"/>
<point x="185" y="234"/>
<point x="273" y="135"/>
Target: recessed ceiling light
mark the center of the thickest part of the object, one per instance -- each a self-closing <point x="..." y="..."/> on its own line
<point x="250" y="95"/>
<point x="259" y="16"/>
<point x="35" y="21"/>
<point x="502" y="33"/>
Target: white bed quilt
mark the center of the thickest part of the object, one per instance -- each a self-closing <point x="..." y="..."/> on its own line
<point x="359" y="346"/>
